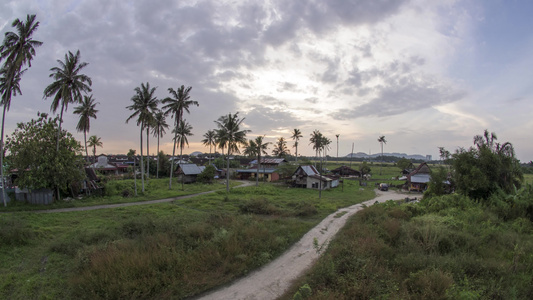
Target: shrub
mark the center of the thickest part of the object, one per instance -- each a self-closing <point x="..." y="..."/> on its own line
<point x="259" y="206"/>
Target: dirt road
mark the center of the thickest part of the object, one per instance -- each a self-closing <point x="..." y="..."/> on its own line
<point x="272" y="280"/>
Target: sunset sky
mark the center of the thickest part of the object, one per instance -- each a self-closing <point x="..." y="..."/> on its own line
<point x="424" y="74"/>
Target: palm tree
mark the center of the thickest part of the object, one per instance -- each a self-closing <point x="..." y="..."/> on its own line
<point x="94" y="142"/>
<point x="86" y="111"/>
<point x="68" y="85"/>
<point x="230" y="136"/>
<point x="296" y="135"/>
<point x="131" y="155"/>
<point x="182" y="132"/>
<point x="158" y="129"/>
<point x="175" y="105"/>
<point x="261" y="148"/>
<point x="316" y="140"/>
<point x="144" y="104"/>
<point x="337" y="136"/>
<point x="381" y="141"/>
<point x="209" y="140"/>
<point x="17" y="49"/>
<point x="280" y="148"/>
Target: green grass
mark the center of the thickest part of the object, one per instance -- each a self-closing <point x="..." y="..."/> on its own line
<point x="168" y="250"/>
<point x="446" y="247"/>
<point x="114" y="193"/>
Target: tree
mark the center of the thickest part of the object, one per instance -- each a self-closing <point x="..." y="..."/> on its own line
<point x="404" y="163"/>
<point x="280" y="148"/>
<point x="131" y="155"/>
<point x="176" y="105"/>
<point x="144" y="104"/>
<point x="17" y="49"/>
<point x="316" y="140"/>
<point x="296" y="135"/>
<point x="94" y="142"/>
<point x="158" y="130"/>
<point x="337" y="136"/>
<point x="182" y="132"/>
<point x="68" y="84"/>
<point x="55" y="170"/>
<point x="260" y="148"/>
<point x="482" y="170"/>
<point x="364" y="169"/>
<point x="209" y="140"/>
<point x="230" y="136"/>
<point x="381" y="141"/>
<point x="86" y="111"/>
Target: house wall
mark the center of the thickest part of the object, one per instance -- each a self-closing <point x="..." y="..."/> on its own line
<point x="313" y="183"/>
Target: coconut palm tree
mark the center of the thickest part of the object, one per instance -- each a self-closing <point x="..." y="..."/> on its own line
<point x="68" y="85"/>
<point x="94" y="142"/>
<point x="131" y="155"/>
<point x="86" y="111"/>
<point x="280" y="148"/>
<point x="144" y="104"/>
<point x="316" y="140"/>
<point x="182" y="132"/>
<point x="209" y="140"/>
<point x="158" y="130"/>
<point x="381" y="141"/>
<point x="296" y="135"/>
<point x="261" y="148"/>
<point x="17" y="49"/>
<point x="230" y="136"/>
<point x="176" y="105"/>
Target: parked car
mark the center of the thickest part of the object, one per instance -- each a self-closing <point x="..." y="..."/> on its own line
<point x="383" y="187"/>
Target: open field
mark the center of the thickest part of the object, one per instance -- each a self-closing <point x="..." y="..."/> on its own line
<point x="176" y="249"/>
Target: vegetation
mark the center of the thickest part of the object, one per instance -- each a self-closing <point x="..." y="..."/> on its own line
<point x="169" y="250"/>
<point x="86" y="111"/>
<point x="38" y="169"/>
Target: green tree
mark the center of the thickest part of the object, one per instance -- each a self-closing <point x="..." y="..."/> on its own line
<point x="131" y="155"/>
<point x="207" y="174"/>
<point x="364" y="169"/>
<point x="381" y="141"/>
<point x="260" y="149"/>
<point x="182" y="132"/>
<point x="296" y="135"/>
<point x="404" y="163"/>
<point x="17" y="49"/>
<point x="44" y="169"/>
<point x="144" y="104"/>
<point x="94" y="142"/>
<point x="158" y="130"/>
<point x="209" y="140"/>
<point x="68" y="85"/>
<point x="482" y="170"/>
<point x="280" y="148"/>
<point x="437" y="182"/>
<point x="175" y="105"/>
<point x="86" y="111"/>
<point x="230" y="136"/>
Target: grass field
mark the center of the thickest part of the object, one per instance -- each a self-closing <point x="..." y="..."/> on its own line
<point x="168" y="250"/>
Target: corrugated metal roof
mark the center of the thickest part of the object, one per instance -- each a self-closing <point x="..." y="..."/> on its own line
<point x="309" y="170"/>
<point x="190" y="169"/>
<point x="269" y="161"/>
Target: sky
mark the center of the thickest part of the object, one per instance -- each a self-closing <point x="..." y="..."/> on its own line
<point x="424" y="74"/>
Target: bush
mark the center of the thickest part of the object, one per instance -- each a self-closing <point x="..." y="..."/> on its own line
<point x="259" y="206"/>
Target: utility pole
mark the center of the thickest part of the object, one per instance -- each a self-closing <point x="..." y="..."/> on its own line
<point x="337" y="135"/>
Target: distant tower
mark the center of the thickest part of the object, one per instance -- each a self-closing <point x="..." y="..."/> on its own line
<point x="428" y="157"/>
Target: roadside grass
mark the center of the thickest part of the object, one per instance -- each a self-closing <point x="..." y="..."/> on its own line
<point x="168" y="250"/>
<point x="446" y="247"/>
<point x="123" y="191"/>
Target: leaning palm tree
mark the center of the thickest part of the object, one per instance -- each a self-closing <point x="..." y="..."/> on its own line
<point x="158" y="130"/>
<point x="17" y="49"/>
<point x="209" y="140"/>
<point x="296" y="135"/>
<point x="230" y="136"/>
<point x="316" y="140"/>
<point x="94" y="142"/>
<point x="381" y="141"/>
<point x="176" y="105"/>
<point x="131" y="155"/>
<point x="68" y="85"/>
<point x="144" y="104"/>
<point x="181" y="133"/>
<point x="280" y="149"/>
<point x="86" y="111"/>
<point x="261" y="148"/>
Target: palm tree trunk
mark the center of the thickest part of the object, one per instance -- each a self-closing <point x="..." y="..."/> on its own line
<point x="135" y="176"/>
<point x="173" y="157"/>
<point x="142" y="161"/>
<point x="257" y="175"/>
<point x="209" y="153"/>
<point x="182" y="175"/>
<point x="57" y="143"/>
<point x="296" y="151"/>
<point x="2" y="157"/>
<point x="148" y="152"/>
<point x="85" y="140"/>
<point x="157" y="169"/>
<point x="227" y="173"/>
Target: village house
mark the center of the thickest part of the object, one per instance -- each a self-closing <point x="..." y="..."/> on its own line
<point x="309" y="177"/>
<point x="418" y="179"/>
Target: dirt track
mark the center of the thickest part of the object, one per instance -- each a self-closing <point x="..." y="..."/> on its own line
<point x="272" y="280"/>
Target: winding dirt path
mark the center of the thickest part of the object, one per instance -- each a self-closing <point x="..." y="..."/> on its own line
<point x="272" y="280"/>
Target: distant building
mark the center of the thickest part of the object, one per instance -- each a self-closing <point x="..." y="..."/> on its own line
<point x="429" y="157"/>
